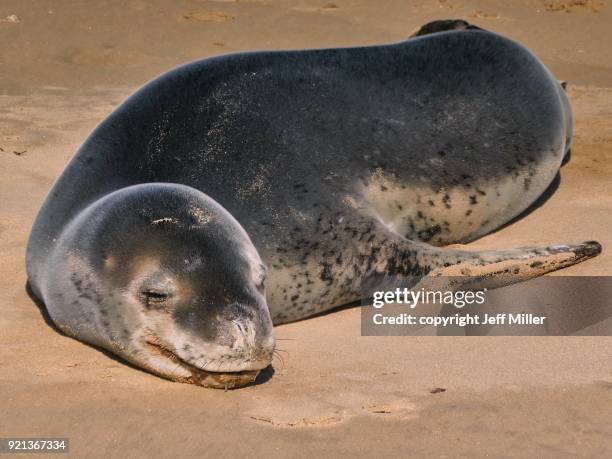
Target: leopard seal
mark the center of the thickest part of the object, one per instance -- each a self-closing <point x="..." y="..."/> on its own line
<point x="316" y="170"/>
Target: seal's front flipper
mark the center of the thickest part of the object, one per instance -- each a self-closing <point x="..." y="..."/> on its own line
<point x="443" y="25"/>
<point x="497" y="268"/>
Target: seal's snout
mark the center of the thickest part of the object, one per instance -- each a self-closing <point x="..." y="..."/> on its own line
<point x="252" y="329"/>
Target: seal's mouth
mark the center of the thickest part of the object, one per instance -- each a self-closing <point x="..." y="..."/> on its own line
<point x="200" y="377"/>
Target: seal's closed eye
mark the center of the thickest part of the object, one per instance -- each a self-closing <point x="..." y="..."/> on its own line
<point x="155" y="295"/>
<point x="153" y="298"/>
<point x="156" y="289"/>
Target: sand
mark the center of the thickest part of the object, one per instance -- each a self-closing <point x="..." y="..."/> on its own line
<point x="65" y="65"/>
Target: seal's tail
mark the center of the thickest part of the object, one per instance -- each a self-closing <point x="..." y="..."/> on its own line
<point x="497" y="268"/>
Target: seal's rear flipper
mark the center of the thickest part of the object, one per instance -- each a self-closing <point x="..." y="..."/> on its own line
<point x="443" y="25"/>
<point x="497" y="268"/>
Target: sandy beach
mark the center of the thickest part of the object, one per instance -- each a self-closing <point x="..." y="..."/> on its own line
<point x="65" y="65"/>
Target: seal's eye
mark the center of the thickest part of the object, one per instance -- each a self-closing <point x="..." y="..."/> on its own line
<point x="155" y="290"/>
<point x="153" y="299"/>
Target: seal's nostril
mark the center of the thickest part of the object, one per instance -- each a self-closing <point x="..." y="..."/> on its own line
<point x="242" y="328"/>
<point x="154" y="296"/>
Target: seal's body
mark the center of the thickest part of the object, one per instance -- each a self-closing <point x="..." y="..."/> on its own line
<point x="341" y="165"/>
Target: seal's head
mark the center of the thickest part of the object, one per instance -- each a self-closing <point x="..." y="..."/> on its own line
<point x="173" y="284"/>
